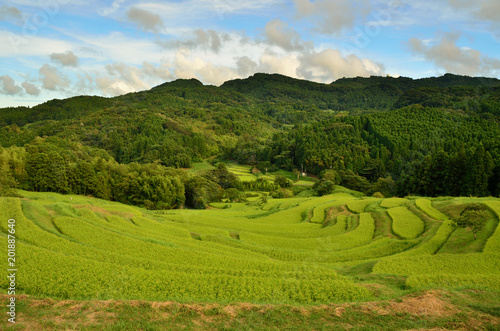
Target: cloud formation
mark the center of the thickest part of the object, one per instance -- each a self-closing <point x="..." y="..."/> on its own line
<point x="114" y="7"/>
<point x="488" y="10"/>
<point x="130" y="76"/>
<point x="460" y="60"/>
<point x="68" y="58"/>
<point x="199" y="38"/>
<point x="52" y="79"/>
<point x="187" y="65"/>
<point x="145" y="20"/>
<point x="162" y="72"/>
<point x="331" y="16"/>
<point x="31" y="89"/>
<point x="8" y="86"/>
<point x="211" y="38"/>
<point x="280" y="34"/>
<point x="329" y="65"/>
<point x="245" y="66"/>
<point x="11" y="14"/>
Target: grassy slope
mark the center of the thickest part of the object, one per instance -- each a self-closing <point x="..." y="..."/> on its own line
<point x="302" y="238"/>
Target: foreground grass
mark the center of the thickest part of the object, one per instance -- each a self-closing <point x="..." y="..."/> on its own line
<point x="331" y="262"/>
<point x="431" y="309"/>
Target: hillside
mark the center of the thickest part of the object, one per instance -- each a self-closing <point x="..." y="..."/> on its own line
<point x="269" y="201"/>
<point x="283" y="256"/>
<point x="378" y="134"/>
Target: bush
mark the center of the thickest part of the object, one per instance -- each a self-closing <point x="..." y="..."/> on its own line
<point x="233" y="195"/>
<point x="325" y="187"/>
<point x="201" y="191"/>
<point x="282" y="181"/>
<point x="282" y="194"/>
<point x="354" y="182"/>
<point x="473" y="219"/>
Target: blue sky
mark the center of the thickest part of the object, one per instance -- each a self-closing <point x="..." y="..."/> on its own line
<point x="62" y="48"/>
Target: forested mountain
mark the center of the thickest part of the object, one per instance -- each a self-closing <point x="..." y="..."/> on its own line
<point x="432" y="136"/>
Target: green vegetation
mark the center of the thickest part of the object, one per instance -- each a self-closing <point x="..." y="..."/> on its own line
<point x="301" y="251"/>
<point x="426" y="206"/>
<point x="493" y="244"/>
<point x="453" y="280"/>
<point x="180" y="251"/>
<point x="359" y="206"/>
<point x="473" y="217"/>
<point x="383" y="136"/>
<point x="393" y="202"/>
<point x="272" y="191"/>
<point x="405" y="223"/>
<point x="443" y="310"/>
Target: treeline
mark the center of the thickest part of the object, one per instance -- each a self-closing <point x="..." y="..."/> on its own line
<point x="422" y="151"/>
<point x="56" y="165"/>
<point x="461" y="173"/>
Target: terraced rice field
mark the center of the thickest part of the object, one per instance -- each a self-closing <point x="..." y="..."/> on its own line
<point x="285" y="251"/>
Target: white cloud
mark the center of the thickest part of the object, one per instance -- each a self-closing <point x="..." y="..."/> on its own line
<point x="119" y="78"/>
<point x="480" y="15"/>
<point x="199" y="38"/>
<point x="8" y="86"/>
<point x="85" y="84"/>
<point x="11" y="14"/>
<point x="187" y="65"/>
<point x="246" y="66"/>
<point x="305" y="8"/>
<point x="145" y="19"/>
<point x="17" y="45"/>
<point x="280" y="34"/>
<point x="52" y="79"/>
<point x="130" y="75"/>
<point x="114" y="7"/>
<point x="332" y="16"/>
<point x="460" y="60"/>
<point x="211" y="38"/>
<point x="329" y="65"/>
<point x="488" y="10"/>
<point x="162" y="72"/>
<point x="66" y="59"/>
<point x="193" y="11"/>
<point x="282" y="64"/>
<point x="119" y="47"/>
<point x="31" y="89"/>
<point x="112" y="87"/>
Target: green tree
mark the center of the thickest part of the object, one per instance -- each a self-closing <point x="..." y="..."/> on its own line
<point x="479" y="171"/>
<point x="7" y="181"/>
<point x="223" y="177"/>
<point x="200" y="192"/>
<point x="473" y="217"/>
<point x="325" y="187"/>
<point x="47" y="171"/>
<point x="353" y="181"/>
<point x="330" y="175"/>
<point x="282" y="181"/>
<point x="82" y="178"/>
<point x="233" y="195"/>
<point x="385" y="186"/>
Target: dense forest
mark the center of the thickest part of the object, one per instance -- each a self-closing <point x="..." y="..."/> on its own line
<point x="379" y="135"/>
